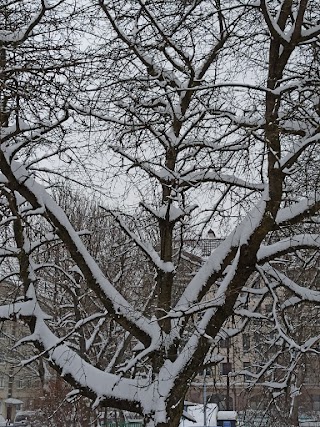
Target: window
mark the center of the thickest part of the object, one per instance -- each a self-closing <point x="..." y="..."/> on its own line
<point x="257" y="337"/>
<point x="225" y="343"/>
<point x="268" y="308"/>
<point x="20" y="383"/>
<point x="246" y="366"/>
<point x="316" y="402"/>
<point x="206" y="372"/>
<point x="2" y="382"/>
<point x="207" y="246"/>
<point x="223" y="403"/>
<point x="2" y="357"/>
<point x="246" y="342"/>
<point x="226" y="368"/>
<point x="258" y="340"/>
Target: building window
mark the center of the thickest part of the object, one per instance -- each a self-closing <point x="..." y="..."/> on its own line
<point x="225" y="343"/>
<point x="206" y="372"/>
<point x="258" y="340"/>
<point x="246" y="342"/>
<point x="268" y="308"/>
<point x="2" y="382"/>
<point x="226" y="368"/>
<point x="316" y="402"/>
<point x="207" y="246"/>
<point x="20" y="383"/>
<point x="224" y="406"/>
<point x="2" y="357"/>
<point x="246" y="366"/>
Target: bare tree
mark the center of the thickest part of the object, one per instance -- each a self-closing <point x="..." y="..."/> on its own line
<point x="211" y="108"/>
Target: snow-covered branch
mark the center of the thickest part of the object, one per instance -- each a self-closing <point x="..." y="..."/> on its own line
<point x="38" y="197"/>
<point x="282" y="247"/>
<point x="146" y="247"/>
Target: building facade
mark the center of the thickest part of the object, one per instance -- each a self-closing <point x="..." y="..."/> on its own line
<point x="19" y="383"/>
<point x="238" y="381"/>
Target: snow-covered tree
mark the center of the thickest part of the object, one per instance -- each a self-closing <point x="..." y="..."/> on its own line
<point x="63" y="292"/>
<point x="208" y="112"/>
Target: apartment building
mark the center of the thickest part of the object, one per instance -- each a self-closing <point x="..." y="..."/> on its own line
<point x="231" y="383"/>
<point x="19" y="385"/>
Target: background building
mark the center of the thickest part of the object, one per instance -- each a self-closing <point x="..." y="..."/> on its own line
<point x="19" y="385"/>
<point x="237" y="382"/>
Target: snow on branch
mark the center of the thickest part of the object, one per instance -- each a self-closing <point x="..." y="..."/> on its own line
<point x="146" y="247"/>
<point x="310" y="33"/>
<point x="166" y="37"/>
<point x="114" y="301"/>
<point x="202" y="325"/>
<point x="102" y="385"/>
<point x="273" y="24"/>
<point x="193" y="178"/>
<point x="144" y="165"/>
<point x="288" y="160"/>
<point x="305" y="208"/>
<point x="22" y="34"/>
<point x="219" y="259"/>
<point x="290" y="244"/>
<point x="169" y="211"/>
<point x="153" y="70"/>
<point x="34" y="337"/>
<point x="303" y="293"/>
<point x="31" y="132"/>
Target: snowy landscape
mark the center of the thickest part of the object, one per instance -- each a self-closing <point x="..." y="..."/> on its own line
<point x="159" y="215"/>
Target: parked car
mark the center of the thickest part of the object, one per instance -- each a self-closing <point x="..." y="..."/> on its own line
<point x="24" y="419"/>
